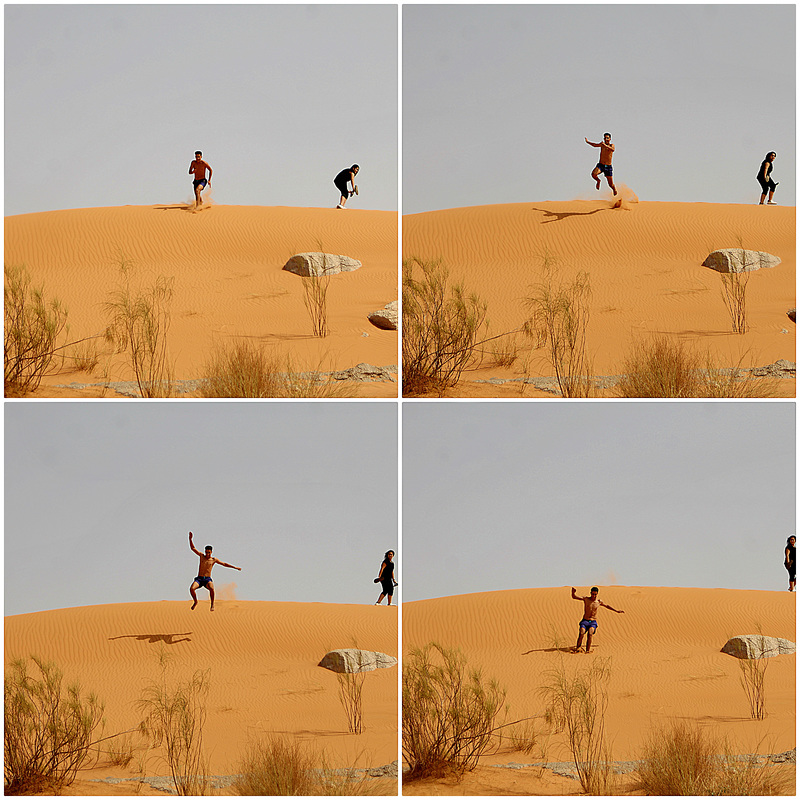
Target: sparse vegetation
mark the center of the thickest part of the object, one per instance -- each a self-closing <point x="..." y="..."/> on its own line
<point x="734" y="292"/>
<point x="120" y="753"/>
<point x="576" y="704"/>
<point x="48" y="727"/>
<point x="174" y="720"/>
<point x="351" y="687"/>
<point x="273" y="766"/>
<point x="660" y="367"/>
<point x="31" y="332"/>
<point x="559" y="318"/>
<point x="681" y="760"/>
<point x="752" y="677"/>
<point x="315" y="298"/>
<point x="140" y="320"/>
<point x="441" y="325"/>
<point x="449" y="714"/>
<point x="84" y="355"/>
<point x="244" y="369"/>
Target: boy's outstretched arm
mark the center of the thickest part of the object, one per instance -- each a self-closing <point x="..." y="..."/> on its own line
<point x="191" y="544"/>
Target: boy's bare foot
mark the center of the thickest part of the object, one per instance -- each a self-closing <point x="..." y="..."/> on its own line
<point x="598" y="183"/>
<point x="212" y="606"/>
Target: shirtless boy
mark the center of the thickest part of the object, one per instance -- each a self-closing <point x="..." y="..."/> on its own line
<point x="604" y="163"/>
<point x="588" y="624"/>
<point x="203" y="578"/>
<point x="198" y="168"/>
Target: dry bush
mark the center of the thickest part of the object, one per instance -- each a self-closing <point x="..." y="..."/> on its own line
<point x="753" y="673"/>
<point x="84" y="355"/>
<point x="174" y="720"/>
<point x="681" y="760"/>
<point x="32" y="328"/>
<point x="734" y="292"/>
<point x="48" y="728"/>
<point x="559" y="318"/>
<point x="524" y="737"/>
<point x="120" y="753"/>
<point x="273" y="766"/>
<point x="244" y="369"/>
<point x="441" y="324"/>
<point x="139" y="324"/>
<point x="315" y="298"/>
<point x="660" y="367"/>
<point x="449" y="715"/>
<point x="576" y="704"/>
<point x="351" y="686"/>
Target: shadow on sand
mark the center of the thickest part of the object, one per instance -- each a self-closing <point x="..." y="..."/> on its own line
<point x="570" y="649"/>
<point x="154" y="638"/>
<point x="557" y="217"/>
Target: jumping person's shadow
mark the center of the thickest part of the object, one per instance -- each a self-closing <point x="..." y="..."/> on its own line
<point x="153" y="638"/>
<point x="558" y="216"/>
<point x="176" y="207"/>
<point x="550" y="650"/>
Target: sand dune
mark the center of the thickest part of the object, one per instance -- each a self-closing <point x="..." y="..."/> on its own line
<point x="226" y="262"/>
<point x="644" y="261"/>
<point x="665" y="657"/>
<point x="261" y="658"/>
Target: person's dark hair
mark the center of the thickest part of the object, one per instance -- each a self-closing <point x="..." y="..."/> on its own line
<point x="198" y="152"/>
<point x="355" y="166"/>
<point x="386" y="554"/>
<point x="209" y="547"/>
<point x="595" y="589"/>
<point x="606" y="134"/>
<point x="791" y="537"/>
<point x="771" y="153"/>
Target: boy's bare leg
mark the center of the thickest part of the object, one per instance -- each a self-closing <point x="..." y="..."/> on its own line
<point x="211" y="592"/>
<point x="588" y="641"/>
<point x="595" y="173"/>
<point x="580" y="641"/>
<point x="195" y="585"/>
<point x="611" y="183"/>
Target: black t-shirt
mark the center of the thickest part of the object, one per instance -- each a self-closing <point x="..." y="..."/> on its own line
<point x="761" y="173"/>
<point x="388" y="571"/>
<point x="343" y="176"/>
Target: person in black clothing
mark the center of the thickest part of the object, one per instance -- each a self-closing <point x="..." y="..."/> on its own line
<point x="768" y="186"/>
<point x="340" y="181"/>
<point x="788" y="562"/>
<point x="386" y="578"/>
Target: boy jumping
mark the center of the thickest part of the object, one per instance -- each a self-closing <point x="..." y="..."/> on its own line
<point x="588" y="625"/>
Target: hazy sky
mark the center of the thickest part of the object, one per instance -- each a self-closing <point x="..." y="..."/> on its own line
<point x="517" y="495"/>
<point x="100" y="497"/>
<point x="106" y="104"/>
<point x="497" y="100"/>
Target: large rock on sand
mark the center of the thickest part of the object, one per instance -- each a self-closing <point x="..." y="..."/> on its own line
<point x="352" y="660"/>
<point x="386" y="318"/>
<point x="734" y="259"/>
<point x="308" y="264"/>
<point x="753" y="645"/>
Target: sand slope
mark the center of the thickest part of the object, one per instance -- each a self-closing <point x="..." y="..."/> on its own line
<point x="665" y="656"/>
<point x="261" y="658"/>
<point x="644" y="262"/>
<point x="226" y="262"/>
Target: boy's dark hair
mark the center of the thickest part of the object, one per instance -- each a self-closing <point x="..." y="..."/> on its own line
<point x="595" y="589"/>
<point x="209" y="547"/>
<point x="198" y="152"/>
<point x="606" y="134"/>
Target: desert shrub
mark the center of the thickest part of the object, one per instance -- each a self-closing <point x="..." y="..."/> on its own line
<point x="524" y="737"/>
<point x="244" y="369"/>
<point x="449" y="714"/>
<point x="120" y="752"/>
<point x="48" y="727"/>
<point x="139" y="323"/>
<point x="576" y="704"/>
<point x="441" y="325"/>
<point x="32" y="327"/>
<point x="681" y="760"/>
<point x="753" y="672"/>
<point x="351" y="687"/>
<point x="84" y="355"/>
<point x="174" y="720"/>
<point x="273" y="766"/>
<point x="734" y="292"/>
<point x="559" y="318"/>
<point x="315" y="298"/>
<point x="659" y="367"/>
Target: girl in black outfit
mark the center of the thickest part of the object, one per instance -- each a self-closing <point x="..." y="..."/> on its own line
<point x="763" y="177"/>
<point x="386" y="578"/>
<point x="788" y="562"/>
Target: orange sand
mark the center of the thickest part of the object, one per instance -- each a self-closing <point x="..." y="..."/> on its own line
<point x="226" y="262"/>
<point x="262" y="660"/>
<point x="664" y="654"/>
<point x="645" y="266"/>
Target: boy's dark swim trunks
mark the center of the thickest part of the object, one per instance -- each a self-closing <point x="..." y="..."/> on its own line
<point x="202" y="182"/>
<point x="606" y="169"/>
<point x="203" y="582"/>
<point x="588" y="625"/>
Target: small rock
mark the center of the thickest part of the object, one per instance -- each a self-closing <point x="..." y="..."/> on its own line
<point x="352" y="660"/>
<point x="386" y="318"/>
<point x="734" y="259"/>
<point x="754" y="646"/>
<point x="317" y="264"/>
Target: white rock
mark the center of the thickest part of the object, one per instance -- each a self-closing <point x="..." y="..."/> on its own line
<point x="753" y="645"/>
<point x="734" y="259"/>
<point x="353" y="660"/>
<point x="386" y="318"/>
<point x="308" y="264"/>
